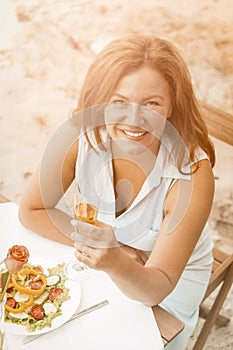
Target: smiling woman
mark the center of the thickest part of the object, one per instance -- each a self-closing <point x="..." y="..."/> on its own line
<point x="136" y="145"/>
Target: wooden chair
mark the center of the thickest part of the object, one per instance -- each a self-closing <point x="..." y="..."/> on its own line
<point x="169" y="325"/>
<point x="220" y="125"/>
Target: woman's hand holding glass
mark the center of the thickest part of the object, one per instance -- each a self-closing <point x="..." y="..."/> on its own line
<point x="95" y="242"/>
<point x="96" y="245"/>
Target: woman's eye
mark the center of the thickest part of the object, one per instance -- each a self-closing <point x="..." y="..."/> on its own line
<point x="117" y="101"/>
<point x="152" y="103"/>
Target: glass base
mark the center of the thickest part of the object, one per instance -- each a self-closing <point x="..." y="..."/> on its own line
<point x="76" y="271"/>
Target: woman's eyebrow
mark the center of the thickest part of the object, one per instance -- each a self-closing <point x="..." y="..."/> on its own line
<point x="153" y="96"/>
<point x="117" y="94"/>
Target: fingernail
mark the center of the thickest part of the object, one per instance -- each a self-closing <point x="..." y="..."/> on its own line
<point x="77" y="244"/>
<point x="73" y="235"/>
<point x="74" y="223"/>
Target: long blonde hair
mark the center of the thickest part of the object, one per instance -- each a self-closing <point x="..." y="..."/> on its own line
<point x="128" y="53"/>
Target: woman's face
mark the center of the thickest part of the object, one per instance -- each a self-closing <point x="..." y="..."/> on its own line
<point x="125" y="118"/>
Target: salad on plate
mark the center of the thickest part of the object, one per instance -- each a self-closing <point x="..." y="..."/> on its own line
<point x="35" y="296"/>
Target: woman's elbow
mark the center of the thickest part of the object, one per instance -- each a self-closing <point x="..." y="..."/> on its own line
<point x="25" y="215"/>
<point x="157" y="298"/>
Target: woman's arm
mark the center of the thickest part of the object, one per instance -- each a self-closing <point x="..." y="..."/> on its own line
<point x="48" y="184"/>
<point x="186" y="211"/>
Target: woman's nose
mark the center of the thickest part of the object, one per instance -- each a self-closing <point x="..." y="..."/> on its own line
<point x="134" y="115"/>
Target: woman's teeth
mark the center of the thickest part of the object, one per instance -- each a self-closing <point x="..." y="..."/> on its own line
<point x="133" y="134"/>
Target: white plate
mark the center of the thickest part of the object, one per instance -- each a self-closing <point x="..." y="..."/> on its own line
<point x="68" y="308"/>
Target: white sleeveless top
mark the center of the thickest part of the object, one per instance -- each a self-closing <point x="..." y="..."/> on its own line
<point x="140" y="224"/>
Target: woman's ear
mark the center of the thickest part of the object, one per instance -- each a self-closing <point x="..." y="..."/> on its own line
<point x="170" y="112"/>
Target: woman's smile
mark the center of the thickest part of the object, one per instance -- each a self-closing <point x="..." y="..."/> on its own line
<point x="136" y="135"/>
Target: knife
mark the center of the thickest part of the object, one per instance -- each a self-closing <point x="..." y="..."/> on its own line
<point x="78" y="314"/>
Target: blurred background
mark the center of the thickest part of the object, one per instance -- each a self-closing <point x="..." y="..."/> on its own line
<point x="46" y="47"/>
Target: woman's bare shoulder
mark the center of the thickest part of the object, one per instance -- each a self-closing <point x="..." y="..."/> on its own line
<point x="200" y="187"/>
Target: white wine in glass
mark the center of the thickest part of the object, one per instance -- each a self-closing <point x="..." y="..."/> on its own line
<point x="86" y="212"/>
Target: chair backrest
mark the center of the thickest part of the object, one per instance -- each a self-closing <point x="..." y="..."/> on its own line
<point x="219" y="123"/>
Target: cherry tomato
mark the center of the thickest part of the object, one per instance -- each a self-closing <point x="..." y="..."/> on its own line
<point x="54" y="293"/>
<point x="11" y="302"/>
<point x="37" y="311"/>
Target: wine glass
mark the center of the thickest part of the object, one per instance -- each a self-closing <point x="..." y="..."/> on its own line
<point x="84" y="211"/>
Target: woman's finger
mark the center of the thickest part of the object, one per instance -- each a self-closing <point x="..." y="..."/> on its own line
<point x="93" y="230"/>
<point x="74" y="223"/>
<point x="93" y="240"/>
<point x="83" y="258"/>
<point x="82" y="248"/>
<point x="94" y="236"/>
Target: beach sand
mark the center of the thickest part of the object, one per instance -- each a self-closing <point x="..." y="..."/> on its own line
<point x="45" y="50"/>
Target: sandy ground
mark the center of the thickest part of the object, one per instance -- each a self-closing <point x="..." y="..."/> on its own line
<point x="46" y="47"/>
